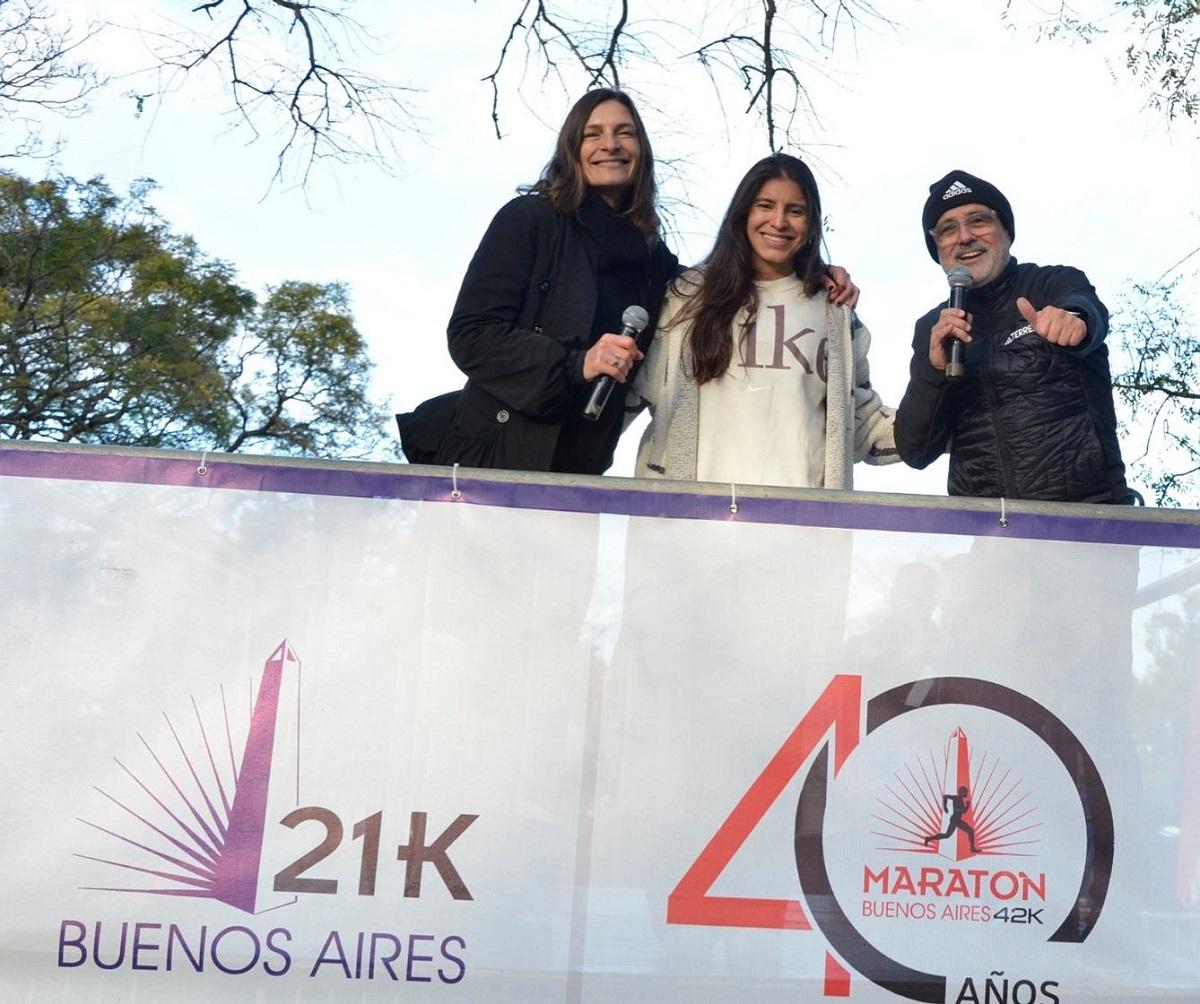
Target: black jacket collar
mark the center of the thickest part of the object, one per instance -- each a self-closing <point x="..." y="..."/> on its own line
<point x="997" y="292"/>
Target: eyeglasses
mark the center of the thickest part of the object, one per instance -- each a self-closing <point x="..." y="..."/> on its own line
<point x="977" y="223"/>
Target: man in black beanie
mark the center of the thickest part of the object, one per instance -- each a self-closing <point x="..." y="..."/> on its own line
<point x="1032" y="417"/>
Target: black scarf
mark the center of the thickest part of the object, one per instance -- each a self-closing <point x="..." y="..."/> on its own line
<point x="623" y="262"/>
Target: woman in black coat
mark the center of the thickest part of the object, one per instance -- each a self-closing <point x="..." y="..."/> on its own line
<point x="536" y="318"/>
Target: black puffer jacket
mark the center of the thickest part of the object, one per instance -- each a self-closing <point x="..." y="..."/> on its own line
<point x="1029" y="420"/>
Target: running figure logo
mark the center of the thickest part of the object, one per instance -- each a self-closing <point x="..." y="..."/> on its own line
<point x="957" y="806"/>
<point x="974" y="800"/>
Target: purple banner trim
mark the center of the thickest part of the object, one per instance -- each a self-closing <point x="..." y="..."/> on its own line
<point x="397" y="483"/>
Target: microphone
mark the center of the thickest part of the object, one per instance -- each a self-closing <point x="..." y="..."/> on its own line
<point x="960" y="280"/>
<point x="633" y="323"/>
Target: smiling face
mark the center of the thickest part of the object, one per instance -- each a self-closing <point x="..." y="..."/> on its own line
<point x="776" y="227"/>
<point x="973" y="237"/>
<point x="609" y="151"/>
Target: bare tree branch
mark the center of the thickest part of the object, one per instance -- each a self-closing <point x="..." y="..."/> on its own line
<point x="282" y="64"/>
<point x="593" y="49"/>
<point x="764" y="49"/>
<point x="766" y="54"/>
<point x="39" y="68"/>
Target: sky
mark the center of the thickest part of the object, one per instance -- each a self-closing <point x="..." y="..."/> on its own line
<point x="1096" y="178"/>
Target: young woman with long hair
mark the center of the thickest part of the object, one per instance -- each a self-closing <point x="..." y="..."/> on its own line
<point x="756" y="376"/>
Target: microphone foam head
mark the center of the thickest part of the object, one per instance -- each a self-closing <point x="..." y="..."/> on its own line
<point x="960" y="276"/>
<point x="635" y="317"/>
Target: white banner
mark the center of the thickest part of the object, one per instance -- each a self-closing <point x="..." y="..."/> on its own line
<point x="310" y="746"/>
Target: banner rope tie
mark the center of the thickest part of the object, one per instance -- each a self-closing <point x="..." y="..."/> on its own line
<point x="203" y="468"/>
<point x="454" y="492"/>
<point x="1003" y="512"/>
<point x="733" y="506"/>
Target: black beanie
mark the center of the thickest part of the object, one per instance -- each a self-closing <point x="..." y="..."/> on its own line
<point x="959" y="189"/>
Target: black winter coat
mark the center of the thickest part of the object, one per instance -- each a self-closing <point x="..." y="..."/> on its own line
<point x="520" y="329"/>
<point x="1029" y="419"/>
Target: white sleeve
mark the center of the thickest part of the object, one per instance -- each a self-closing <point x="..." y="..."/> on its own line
<point x="874" y="422"/>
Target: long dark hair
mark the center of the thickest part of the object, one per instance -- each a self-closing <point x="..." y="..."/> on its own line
<point x="728" y="271"/>
<point x="562" y="179"/>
